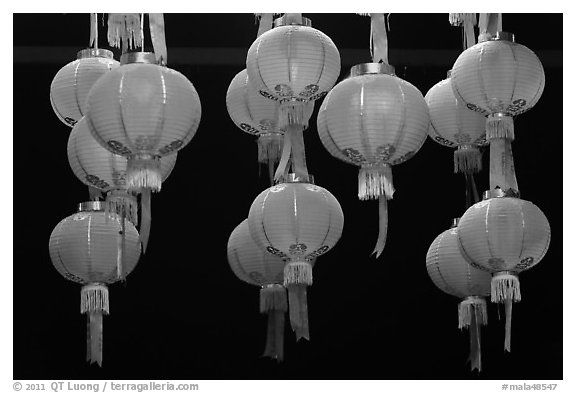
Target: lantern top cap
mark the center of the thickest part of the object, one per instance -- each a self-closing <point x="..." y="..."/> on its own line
<point x="293" y="178"/>
<point x="372" y="68"/>
<point x="138" y="57"/>
<point x="455" y="222"/>
<point x="498" y="36"/>
<point x="93" y="52"/>
<point x="291" y="19"/>
<point x="91" y="206"/>
<point x="499" y="193"/>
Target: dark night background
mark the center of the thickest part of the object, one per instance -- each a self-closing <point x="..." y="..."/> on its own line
<point x="182" y="314"/>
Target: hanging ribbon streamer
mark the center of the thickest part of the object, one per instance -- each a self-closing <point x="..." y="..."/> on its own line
<point x="472" y="195"/>
<point x="124" y="31"/>
<point x="293" y="149"/>
<point x="273" y="302"/>
<point x="506" y="289"/>
<point x="508" y="336"/>
<point x="382" y="226"/>
<point x="266" y="22"/>
<point x="298" y="310"/>
<point x="502" y="172"/>
<point x="121" y="245"/>
<point x="475" y="345"/>
<point x="94" y="31"/>
<point x="467" y="21"/>
<point x="94" y="303"/>
<point x="488" y="25"/>
<point x="472" y="314"/>
<point x="158" y="37"/>
<point x="378" y="38"/>
<point x="146" y="218"/>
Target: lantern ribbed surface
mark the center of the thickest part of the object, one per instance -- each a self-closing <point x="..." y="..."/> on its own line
<point x="71" y="85"/>
<point x="498" y="76"/>
<point x="249" y="262"/>
<point x="298" y="221"/>
<point x="293" y="62"/>
<point x="450" y="271"/>
<point x="84" y="247"/>
<point x="373" y="119"/>
<point x="504" y="234"/>
<point x="97" y="167"/>
<point x="143" y="109"/>
<point x="248" y="109"/>
<point x="451" y="123"/>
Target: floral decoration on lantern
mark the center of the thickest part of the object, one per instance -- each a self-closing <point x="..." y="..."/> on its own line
<point x="70" y="87"/>
<point x="504" y="236"/>
<point x="257" y="267"/>
<point x="374" y="119"/>
<point x="500" y="79"/>
<point x="256" y="115"/>
<point x="294" y="65"/>
<point x="452" y="274"/>
<point x="85" y="248"/>
<point x="297" y="221"/>
<point x="105" y="171"/>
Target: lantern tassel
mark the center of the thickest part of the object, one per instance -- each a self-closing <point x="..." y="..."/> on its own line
<point x="472" y="314"/>
<point x="499" y="125"/>
<point x="94" y="303"/>
<point x="298" y="311"/>
<point x="374" y="181"/>
<point x="143" y="171"/>
<point x="467" y="159"/>
<point x="378" y="38"/>
<point x="382" y="227"/>
<point x="124" y="31"/>
<point x="158" y="37"/>
<point x="506" y="289"/>
<point x="146" y="220"/>
<point x="297" y="272"/>
<point x="502" y="172"/>
<point x="274" y="302"/>
<point x="122" y="203"/>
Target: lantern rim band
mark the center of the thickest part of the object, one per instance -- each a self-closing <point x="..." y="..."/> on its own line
<point x="91" y="206"/>
<point x="475" y="299"/>
<point x="94" y="285"/>
<point x="499" y="193"/>
<point x="94" y="52"/>
<point x="505" y="273"/>
<point x="372" y="68"/>
<point x="293" y="178"/>
<point x="503" y="36"/>
<point x="455" y="222"/>
<point x="272" y="286"/>
<point x="284" y="21"/>
<point x="138" y="57"/>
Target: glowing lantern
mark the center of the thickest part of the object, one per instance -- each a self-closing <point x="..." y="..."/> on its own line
<point x="453" y="125"/>
<point x="452" y="274"/>
<point x="297" y="221"/>
<point x="501" y="79"/>
<point x="294" y="65"/>
<point x="504" y="236"/>
<point x="97" y="167"/>
<point x="374" y="119"/>
<point x="143" y="111"/>
<point x="70" y="87"/>
<point x="86" y="248"/>
<point x="256" y="115"/>
<point x="255" y="266"/>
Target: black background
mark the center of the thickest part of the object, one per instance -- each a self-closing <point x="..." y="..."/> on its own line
<point x="184" y="315"/>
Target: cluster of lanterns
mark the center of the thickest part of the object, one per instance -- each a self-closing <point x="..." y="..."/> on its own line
<point x="130" y="118"/>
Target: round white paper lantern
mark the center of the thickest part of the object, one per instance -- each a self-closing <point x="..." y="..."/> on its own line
<point x="70" y="87"/>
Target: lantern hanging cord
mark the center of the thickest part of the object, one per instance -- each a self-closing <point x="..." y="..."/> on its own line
<point x="378" y="38"/>
<point x="158" y="36"/>
<point x="94" y="31"/>
<point x="488" y="25"/>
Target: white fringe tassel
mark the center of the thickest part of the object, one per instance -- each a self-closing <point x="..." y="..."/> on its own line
<point x="120" y="202"/>
<point x="270" y="147"/>
<point x="467" y="159"/>
<point x="94" y="297"/>
<point x="298" y="272"/>
<point x="124" y="29"/>
<point x="505" y="287"/>
<point x="375" y="181"/>
<point x="499" y="125"/>
<point x="273" y="297"/>
<point x="469" y="306"/>
<point x="143" y="173"/>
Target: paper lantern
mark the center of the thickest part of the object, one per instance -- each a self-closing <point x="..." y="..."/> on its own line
<point x="498" y="78"/>
<point x="255" y="115"/>
<point x="87" y="248"/>
<point x="70" y="87"/>
<point x="374" y="119"/>
<point x="143" y="111"/>
<point x="453" y="125"/>
<point x="297" y="221"/>
<point x="257" y="267"/>
<point x="504" y="236"/>
<point x="452" y="274"/>
<point x="97" y="167"/>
